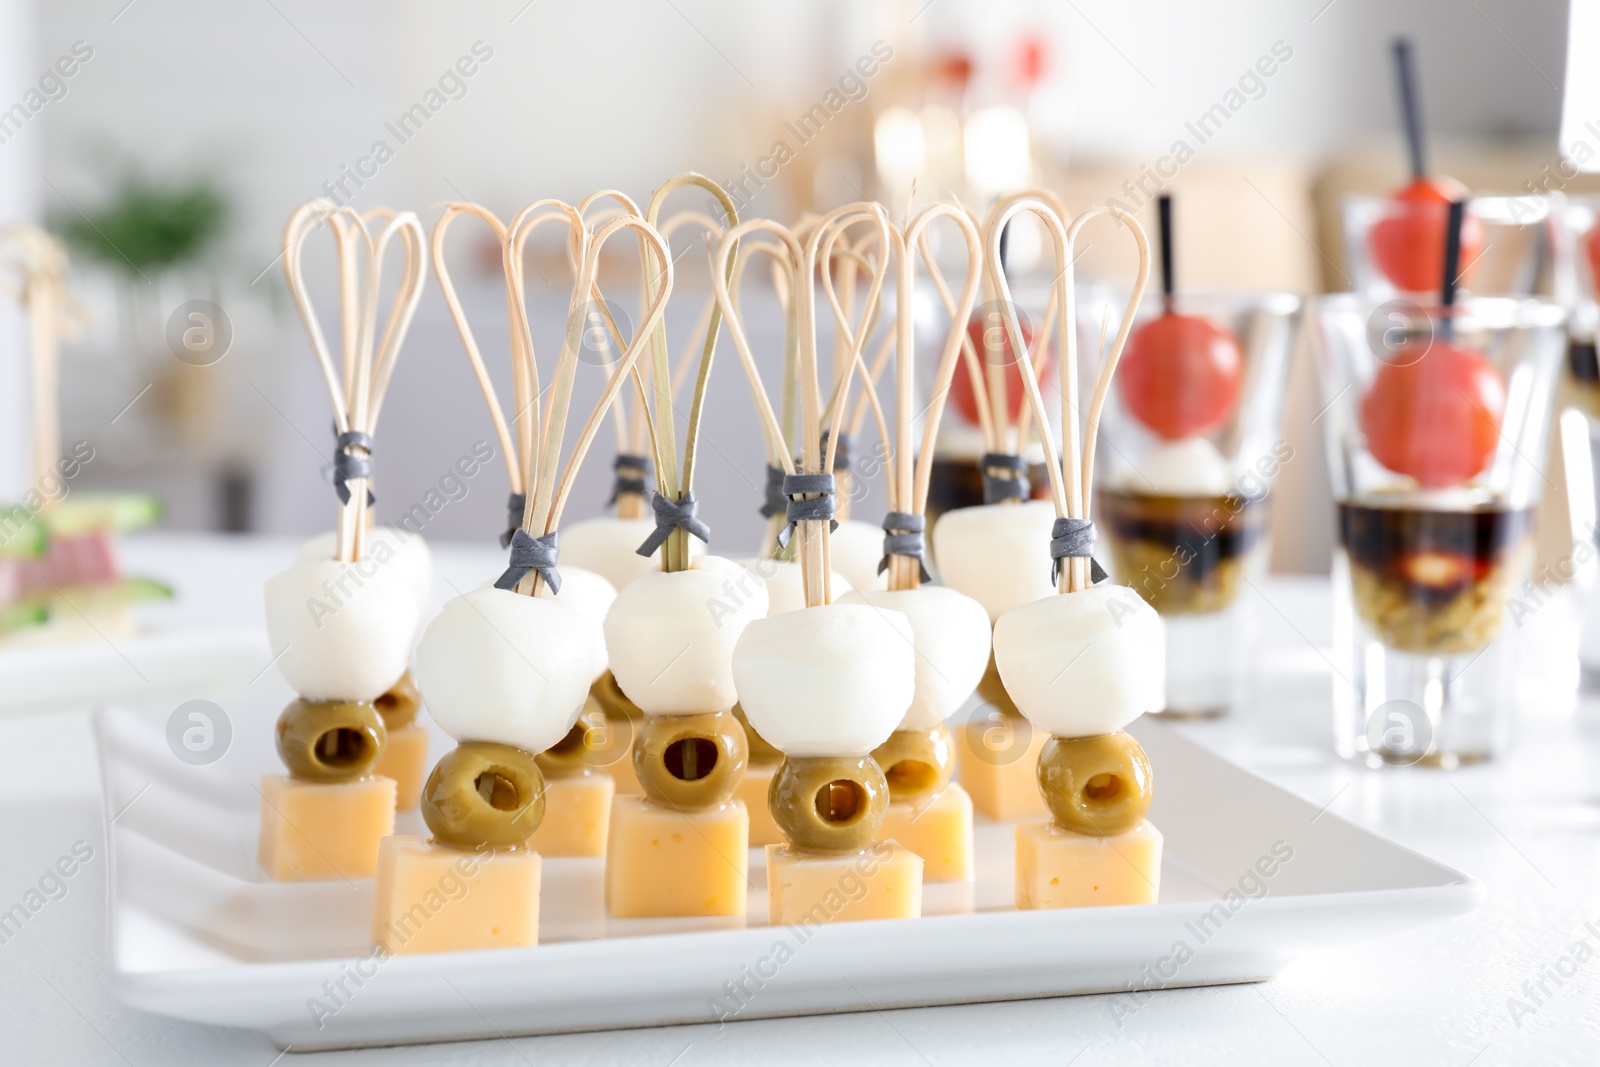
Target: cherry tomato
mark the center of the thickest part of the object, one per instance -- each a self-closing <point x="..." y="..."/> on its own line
<point x="961" y="392"/>
<point x="1408" y="245"/>
<point x="1180" y="375"/>
<point x="1437" y="419"/>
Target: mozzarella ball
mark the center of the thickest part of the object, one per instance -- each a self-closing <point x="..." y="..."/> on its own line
<point x="343" y="631"/>
<point x="786" y="587"/>
<point x="1084" y="663"/>
<point x="1190" y="467"/>
<point x="997" y="554"/>
<point x="591" y="595"/>
<point x="499" y="666"/>
<point x="670" y="635"/>
<point x="950" y="632"/>
<point x="399" y="549"/>
<point x="609" y="547"/>
<point x="855" y="549"/>
<point x="833" y="680"/>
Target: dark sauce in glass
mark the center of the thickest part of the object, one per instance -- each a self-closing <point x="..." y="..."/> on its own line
<point x="1181" y="553"/>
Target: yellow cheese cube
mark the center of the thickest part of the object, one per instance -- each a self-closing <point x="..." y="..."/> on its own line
<point x="661" y="861"/>
<point x="1059" y="868"/>
<point x="937" y="828"/>
<point x="405" y="759"/>
<point x="753" y="791"/>
<point x="317" y="831"/>
<point x="621" y="771"/>
<point x="812" y="888"/>
<point x="577" y="813"/>
<point x="434" y="898"/>
<point x="998" y="761"/>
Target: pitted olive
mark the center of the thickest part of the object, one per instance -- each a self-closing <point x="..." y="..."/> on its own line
<point x="330" y="741"/>
<point x="690" y="761"/>
<point x="399" y="705"/>
<point x="484" y="794"/>
<point x="1097" y="785"/>
<point x="829" y="803"/>
<point x="916" y="763"/>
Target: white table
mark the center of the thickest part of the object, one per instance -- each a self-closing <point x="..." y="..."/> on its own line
<point x="1528" y="826"/>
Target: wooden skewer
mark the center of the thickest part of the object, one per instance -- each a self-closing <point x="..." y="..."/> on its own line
<point x="356" y="387"/>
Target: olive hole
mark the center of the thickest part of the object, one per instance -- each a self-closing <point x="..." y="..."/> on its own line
<point x="386" y="703"/>
<point x="573" y="743"/>
<point x="498" y="791"/>
<point x="690" y="759"/>
<point x="911" y="776"/>
<point x="841" y="801"/>
<point x="342" y="747"/>
<point x="1102" y="788"/>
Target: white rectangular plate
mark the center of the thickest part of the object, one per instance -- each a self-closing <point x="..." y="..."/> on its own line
<point x="197" y="932"/>
<point x="156" y="662"/>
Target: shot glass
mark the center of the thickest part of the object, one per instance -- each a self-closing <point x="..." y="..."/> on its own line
<point x="1436" y="423"/>
<point x="1182" y="493"/>
<point x="1393" y="248"/>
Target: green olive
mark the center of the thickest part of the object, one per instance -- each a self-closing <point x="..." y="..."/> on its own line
<point x="484" y="794"/>
<point x="761" y="750"/>
<point x="1097" y="785"/>
<point x="399" y="705"/>
<point x="330" y="741"/>
<point x="594" y="742"/>
<point x="612" y="700"/>
<point x="993" y="690"/>
<point x="690" y="761"/>
<point x="829" y="803"/>
<point x="917" y="763"/>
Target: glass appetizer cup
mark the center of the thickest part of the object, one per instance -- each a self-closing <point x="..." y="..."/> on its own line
<point x="1436" y="423"/>
<point x="1394" y="246"/>
<point x="1190" y="445"/>
<point x="1578" y="287"/>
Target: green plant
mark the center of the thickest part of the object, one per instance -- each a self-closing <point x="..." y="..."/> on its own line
<point x="149" y="225"/>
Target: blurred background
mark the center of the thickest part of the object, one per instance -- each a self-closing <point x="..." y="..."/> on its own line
<point x="187" y="132"/>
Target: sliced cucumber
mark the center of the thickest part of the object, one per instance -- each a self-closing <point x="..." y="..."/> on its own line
<point x="22" y="534"/>
<point x="82" y="513"/>
<point x="20" y="616"/>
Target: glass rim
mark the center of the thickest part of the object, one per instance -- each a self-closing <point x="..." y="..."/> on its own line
<point x="1497" y="205"/>
<point x="1488" y="312"/>
<point x="1280" y="300"/>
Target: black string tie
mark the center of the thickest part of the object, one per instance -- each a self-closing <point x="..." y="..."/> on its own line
<point x="776" y="503"/>
<point x="516" y="506"/>
<point x="817" y="509"/>
<point x="1013" y="485"/>
<point x="902" y="536"/>
<point x="669" y="515"/>
<point x="1074" y="538"/>
<point x="629" y="482"/>
<point x="530" y="553"/>
<point x="348" y="466"/>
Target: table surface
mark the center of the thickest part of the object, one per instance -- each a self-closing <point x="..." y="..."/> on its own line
<point x="1516" y="981"/>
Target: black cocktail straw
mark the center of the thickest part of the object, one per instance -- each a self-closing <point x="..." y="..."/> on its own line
<point x="1452" y="266"/>
<point x="1164" y="208"/>
<point x="1409" y="111"/>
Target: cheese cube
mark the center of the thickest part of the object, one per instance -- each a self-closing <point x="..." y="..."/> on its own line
<point x="663" y="862"/>
<point x="319" y="831"/>
<point x="405" y="759"/>
<point x="998" y="763"/>
<point x="1059" y="868"/>
<point x="937" y="828"/>
<point x="621" y="771"/>
<point x="434" y="898"/>
<point x="577" y="813"/>
<point x="752" y="790"/>
<point x="812" y="888"/>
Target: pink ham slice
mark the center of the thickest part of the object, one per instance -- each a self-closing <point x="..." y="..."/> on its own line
<point x="68" y="561"/>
